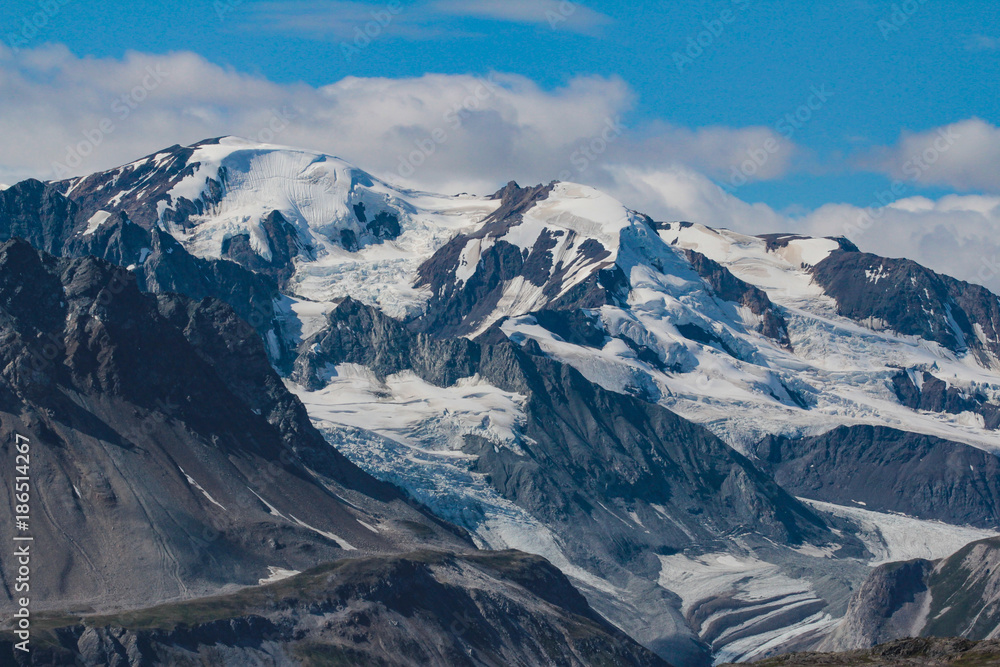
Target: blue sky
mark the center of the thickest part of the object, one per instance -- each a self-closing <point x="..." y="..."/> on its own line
<point x="873" y="119"/>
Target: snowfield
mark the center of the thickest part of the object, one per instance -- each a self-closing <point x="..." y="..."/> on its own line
<point x="840" y="366"/>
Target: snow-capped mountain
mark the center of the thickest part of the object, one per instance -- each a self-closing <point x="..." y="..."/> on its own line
<point x="275" y="209"/>
<point x="714" y="435"/>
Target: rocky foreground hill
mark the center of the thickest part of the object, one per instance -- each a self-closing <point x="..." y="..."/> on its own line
<point x="919" y="652"/>
<point x="421" y="608"/>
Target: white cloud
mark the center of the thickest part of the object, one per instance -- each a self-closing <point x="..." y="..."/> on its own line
<point x="753" y="153"/>
<point x="360" y="22"/>
<point x="442" y="132"/>
<point x="564" y="14"/>
<point x="468" y="134"/>
<point x="982" y="43"/>
<point x="964" y="155"/>
<point x="958" y="235"/>
<point x="680" y="193"/>
<point x="356" y="23"/>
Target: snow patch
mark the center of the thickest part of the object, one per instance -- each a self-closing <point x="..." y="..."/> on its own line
<point x="95" y="222"/>
<point x="200" y="488"/>
<point x="277" y="574"/>
<point x="342" y="543"/>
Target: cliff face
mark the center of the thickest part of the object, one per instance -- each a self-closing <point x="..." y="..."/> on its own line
<point x="958" y="596"/>
<point x="892" y="603"/>
<point x="168" y="459"/>
<point x="41" y="214"/>
<point x="889" y="470"/>
<point x="904" y="296"/>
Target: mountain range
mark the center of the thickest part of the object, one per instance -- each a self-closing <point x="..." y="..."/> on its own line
<point x="284" y="410"/>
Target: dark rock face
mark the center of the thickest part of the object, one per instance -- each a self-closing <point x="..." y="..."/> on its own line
<point x="934" y="395"/>
<point x="37" y="212"/>
<point x="174" y="461"/>
<point x="383" y="226"/>
<point x="965" y="593"/>
<point x="594" y="447"/>
<point x="284" y="243"/>
<point x="142" y="186"/>
<point x="730" y="288"/>
<point x="889" y="470"/>
<point x="352" y="336"/>
<point x="703" y="335"/>
<point x="457" y="308"/>
<point x="585" y="447"/>
<point x="578" y="327"/>
<point x="43" y="216"/>
<point x="910" y="299"/>
<point x="427" y="608"/>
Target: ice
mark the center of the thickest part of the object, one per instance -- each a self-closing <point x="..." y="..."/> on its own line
<point x="317" y="195"/>
<point x="842" y="367"/>
<point x="755" y="592"/>
<point x="897" y="537"/>
<point x="277" y="574"/>
<point x="416" y="413"/>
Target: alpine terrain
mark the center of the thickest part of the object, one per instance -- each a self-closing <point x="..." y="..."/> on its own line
<point x="284" y="412"/>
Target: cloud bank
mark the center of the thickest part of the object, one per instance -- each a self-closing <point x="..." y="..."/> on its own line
<point x="63" y="115"/>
